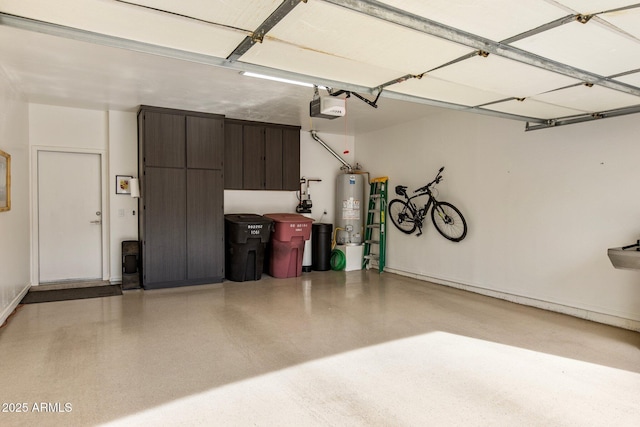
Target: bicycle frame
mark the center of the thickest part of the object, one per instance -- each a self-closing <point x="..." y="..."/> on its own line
<point x="420" y="214"/>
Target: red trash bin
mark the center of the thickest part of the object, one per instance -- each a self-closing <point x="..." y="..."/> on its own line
<point x="287" y="243"/>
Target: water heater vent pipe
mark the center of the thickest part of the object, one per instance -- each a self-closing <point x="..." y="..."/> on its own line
<point x="315" y="136"/>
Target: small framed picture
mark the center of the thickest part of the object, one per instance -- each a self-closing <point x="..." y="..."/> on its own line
<point x="123" y="184"/>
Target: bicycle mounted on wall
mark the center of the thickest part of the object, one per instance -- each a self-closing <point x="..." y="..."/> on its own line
<point x="406" y="215"/>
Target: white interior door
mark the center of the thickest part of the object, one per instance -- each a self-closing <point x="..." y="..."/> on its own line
<point x="69" y="216"/>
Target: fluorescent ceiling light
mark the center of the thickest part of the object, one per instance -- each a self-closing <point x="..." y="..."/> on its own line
<point x="279" y="79"/>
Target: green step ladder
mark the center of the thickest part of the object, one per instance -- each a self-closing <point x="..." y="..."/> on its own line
<point x="375" y="240"/>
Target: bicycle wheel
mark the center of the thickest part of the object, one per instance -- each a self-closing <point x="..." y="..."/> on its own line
<point x="401" y="216"/>
<point x="449" y="221"/>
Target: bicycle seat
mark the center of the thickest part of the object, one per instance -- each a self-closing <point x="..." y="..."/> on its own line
<point x="401" y="190"/>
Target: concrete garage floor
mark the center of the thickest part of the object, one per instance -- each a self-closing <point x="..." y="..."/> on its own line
<point x="324" y="349"/>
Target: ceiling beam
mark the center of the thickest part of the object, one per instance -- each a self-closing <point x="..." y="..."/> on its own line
<point x="258" y="35"/>
<point x="584" y="118"/>
<point x="459" y="107"/>
<point x="542" y="28"/>
<point x="400" y="17"/>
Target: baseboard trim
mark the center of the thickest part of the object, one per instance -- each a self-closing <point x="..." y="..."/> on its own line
<point x="12" y="306"/>
<point x="593" y="316"/>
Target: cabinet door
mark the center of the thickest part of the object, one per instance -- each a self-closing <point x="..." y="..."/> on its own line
<point x="164" y="245"/>
<point x="164" y="139"/>
<point x="233" y="156"/>
<point x="273" y="158"/>
<point x="253" y="157"/>
<point x="205" y="143"/>
<point x="205" y="225"/>
<point x="290" y="159"/>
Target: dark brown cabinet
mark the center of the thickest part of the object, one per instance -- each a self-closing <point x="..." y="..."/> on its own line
<point x="273" y="159"/>
<point x="166" y="134"/>
<point x="290" y="159"/>
<point x="205" y="143"/>
<point x="253" y="157"/>
<point x="163" y="260"/>
<point x="181" y="222"/>
<point x="261" y="156"/>
<point x="233" y="149"/>
<point x="205" y="219"/>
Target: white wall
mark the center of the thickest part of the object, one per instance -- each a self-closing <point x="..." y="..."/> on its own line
<point x="542" y="208"/>
<point x="112" y="133"/>
<point x="14" y="224"/>
<point x="259" y="202"/>
<point x="123" y="209"/>
<point x="74" y="130"/>
<point x="65" y="127"/>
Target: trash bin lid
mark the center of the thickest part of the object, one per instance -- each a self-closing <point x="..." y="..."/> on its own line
<point x="244" y="218"/>
<point x="288" y="217"/>
<point x="238" y="228"/>
<point x="288" y="226"/>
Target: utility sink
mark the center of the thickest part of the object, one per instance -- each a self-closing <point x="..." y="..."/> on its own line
<point x="626" y="257"/>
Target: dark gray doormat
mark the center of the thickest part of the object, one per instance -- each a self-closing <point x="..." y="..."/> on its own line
<point x="68" y="294"/>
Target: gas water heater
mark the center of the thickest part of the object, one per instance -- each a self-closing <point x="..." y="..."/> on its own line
<point x="349" y="208"/>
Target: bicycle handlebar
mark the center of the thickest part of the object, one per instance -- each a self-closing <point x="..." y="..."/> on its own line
<point x="436" y="180"/>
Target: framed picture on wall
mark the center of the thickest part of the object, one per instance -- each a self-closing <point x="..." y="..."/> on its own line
<point x="5" y="181"/>
<point x="123" y="184"/>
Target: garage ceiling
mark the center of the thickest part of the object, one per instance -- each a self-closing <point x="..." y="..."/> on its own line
<point x="544" y="62"/>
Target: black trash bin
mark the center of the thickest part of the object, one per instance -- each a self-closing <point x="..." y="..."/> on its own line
<point x="321" y="246"/>
<point x="246" y="236"/>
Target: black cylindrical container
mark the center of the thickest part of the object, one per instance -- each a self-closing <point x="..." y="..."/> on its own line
<point x="321" y="246"/>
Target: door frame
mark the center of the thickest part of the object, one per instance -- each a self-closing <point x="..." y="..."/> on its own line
<point x="104" y="185"/>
